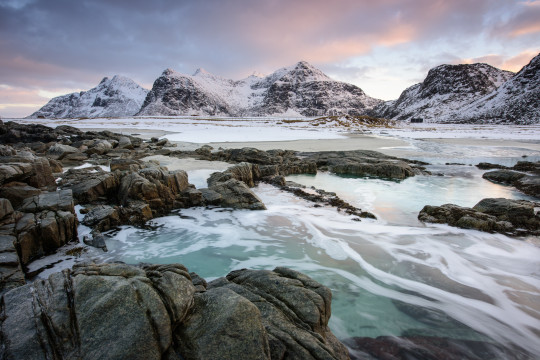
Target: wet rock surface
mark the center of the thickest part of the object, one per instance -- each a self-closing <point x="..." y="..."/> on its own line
<point x="80" y="313"/>
<point x="512" y="217"/>
<point x="524" y="176"/>
<point x="366" y="163"/>
<point x="428" y="348"/>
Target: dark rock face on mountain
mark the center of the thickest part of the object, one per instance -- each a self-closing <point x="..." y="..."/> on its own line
<point x="113" y="311"/>
<point x="446" y="88"/>
<point x="309" y="92"/>
<point x="515" y="217"/>
<point x="516" y="101"/>
<point x="177" y="94"/>
<point x="300" y="90"/>
<point x="119" y="96"/>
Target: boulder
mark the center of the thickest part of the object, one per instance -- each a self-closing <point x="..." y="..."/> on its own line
<point x="294" y="310"/>
<point x="102" y="217"/>
<point x="27" y="168"/>
<point x="108" y="311"/>
<point x="90" y="185"/>
<point x="237" y="195"/>
<point x="124" y="143"/>
<point x="223" y="325"/>
<point x="95" y="239"/>
<point x="366" y="163"/>
<point x="119" y="311"/>
<point x="529" y="184"/>
<point x="503" y="176"/>
<point x="6" y="210"/>
<point x="99" y="147"/>
<point x="512" y="217"/>
<point x="60" y="151"/>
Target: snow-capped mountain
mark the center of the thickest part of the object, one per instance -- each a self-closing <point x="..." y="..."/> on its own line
<point x="445" y="90"/>
<point x="300" y="90"/>
<point x="119" y="96"/>
<point x="516" y="101"/>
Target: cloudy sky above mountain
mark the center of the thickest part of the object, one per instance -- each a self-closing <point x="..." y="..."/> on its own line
<point x="52" y="47"/>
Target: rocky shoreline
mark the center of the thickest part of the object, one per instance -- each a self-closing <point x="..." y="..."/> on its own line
<point x="79" y="312"/>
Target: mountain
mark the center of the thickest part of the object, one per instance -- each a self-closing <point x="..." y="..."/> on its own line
<point x="299" y="90"/>
<point x="516" y="101"/>
<point x="116" y="97"/>
<point x="445" y="90"/>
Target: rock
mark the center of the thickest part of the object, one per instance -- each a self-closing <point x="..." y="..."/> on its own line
<point x="503" y="176"/>
<point x="274" y="162"/>
<point x="294" y="310"/>
<point x="59" y="151"/>
<point x="47" y="222"/>
<point x="126" y="165"/>
<point x="518" y="212"/>
<point x="102" y="217"/>
<point x="28" y="168"/>
<point x="88" y="186"/>
<point x="56" y="166"/>
<point x="5" y="209"/>
<point x="505" y="216"/>
<point x="53" y="201"/>
<point x="237" y="195"/>
<point x="489" y="166"/>
<point x="366" y="163"/>
<point x="210" y="197"/>
<point x="252" y="314"/>
<point x="124" y="143"/>
<point x="100" y="147"/>
<point x="529" y="184"/>
<point x="223" y="325"/>
<point x="79" y="313"/>
<point x="246" y="172"/>
<point x="96" y="239"/>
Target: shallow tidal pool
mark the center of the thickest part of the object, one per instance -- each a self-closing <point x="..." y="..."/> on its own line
<point x="390" y="276"/>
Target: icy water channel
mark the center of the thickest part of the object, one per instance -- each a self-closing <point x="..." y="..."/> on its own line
<point x="391" y="276"/>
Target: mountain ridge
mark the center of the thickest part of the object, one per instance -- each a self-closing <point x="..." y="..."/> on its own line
<point x="449" y="93"/>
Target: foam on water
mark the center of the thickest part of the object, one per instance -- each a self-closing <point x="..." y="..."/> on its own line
<point x="388" y="277"/>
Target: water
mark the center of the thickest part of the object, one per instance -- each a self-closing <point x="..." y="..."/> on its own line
<point x="391" y="276"/>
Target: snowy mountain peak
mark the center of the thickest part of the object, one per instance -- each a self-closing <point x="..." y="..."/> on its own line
<point x="119" y="96"/>
<point x="446" y="88"/>
<point x="304" y="72"/>
<point x="515" y="101"/>
<point x="257" y="74"/>
<point x="201" y="71"/>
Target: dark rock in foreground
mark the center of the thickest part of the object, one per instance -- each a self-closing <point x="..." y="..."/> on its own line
<point x="113" y="311"/>
<point x="512" y="217"/>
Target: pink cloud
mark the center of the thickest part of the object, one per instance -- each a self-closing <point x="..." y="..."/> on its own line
<point x="514" y="63"/>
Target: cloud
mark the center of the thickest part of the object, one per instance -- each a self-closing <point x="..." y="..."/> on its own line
<point x="66" y="44"/>
<point x="524" y="20"/>
<point x="513" y="63"/>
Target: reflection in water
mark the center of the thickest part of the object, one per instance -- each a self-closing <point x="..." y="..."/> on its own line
<point x="392" y="276"/>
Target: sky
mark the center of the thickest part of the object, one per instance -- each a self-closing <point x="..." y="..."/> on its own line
<point x="53" y="47"/>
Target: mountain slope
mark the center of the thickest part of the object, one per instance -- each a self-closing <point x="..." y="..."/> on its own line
<point x="119" y="96"/>
<point x="515" y="101"/>
<point x="300" y="90"/>
<point x="446" y="89"/>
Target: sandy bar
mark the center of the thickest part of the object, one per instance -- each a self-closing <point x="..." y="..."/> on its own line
<point x="351" y="142"/>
